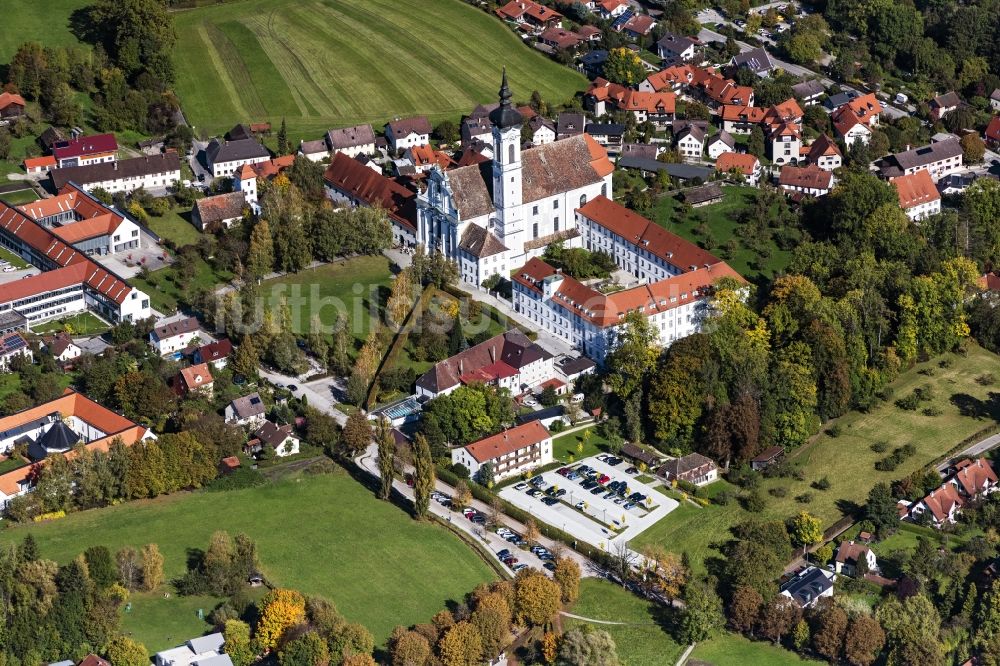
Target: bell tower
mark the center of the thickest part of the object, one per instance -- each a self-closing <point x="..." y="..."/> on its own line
<point x="507" y="169"/>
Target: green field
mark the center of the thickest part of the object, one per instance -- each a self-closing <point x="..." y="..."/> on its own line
<point x="642" y="641"/>
<point x="735" y="650"/>
<point x="848" y="461"/>
<point x="324" y="535"/>
<point x="327" y="63"/>
<point x="721" y="219"/>
<point x="85" y="323"/>
<point x="46" y="22"/>
<point x="176" y="226"/>
<point x="167" y="288"/>
<point x="357" y="287"/>
<point x="18" y="197"/>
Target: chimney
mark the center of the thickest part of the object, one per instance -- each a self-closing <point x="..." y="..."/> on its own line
<point x="461" y="364"/>
<point x="493" y="353"/>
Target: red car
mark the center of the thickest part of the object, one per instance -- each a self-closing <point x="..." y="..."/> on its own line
<point x="604" y="478"/>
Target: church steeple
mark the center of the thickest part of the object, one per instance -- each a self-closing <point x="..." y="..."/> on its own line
<point x="505" y="115"/>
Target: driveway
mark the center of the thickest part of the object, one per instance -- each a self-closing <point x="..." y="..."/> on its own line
<point x="199" y="162"/>
<point x="320" y="393"/>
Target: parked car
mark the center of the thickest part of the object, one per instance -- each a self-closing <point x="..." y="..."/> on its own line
<point x="597" y="491"/>
<point x="549" y="565"/>
<point x="503" y="553"/>
<point x="518" y="567"/>
<point x="479" y="519"/>
<point x="581" y="505"/>
<point x="632" y="470"/>
<point x="560" y="492"/>
<point x="521" y="486"/>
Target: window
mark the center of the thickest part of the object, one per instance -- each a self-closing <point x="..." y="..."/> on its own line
<point x="510" y="153"/>
<point x="583" y="200"/>
<point x="555" y="205"/>
<point x="555" y="224"/>
<point x="534" y="230"/>
<point x="534" y="210"/>
<point x="604" y="190"/>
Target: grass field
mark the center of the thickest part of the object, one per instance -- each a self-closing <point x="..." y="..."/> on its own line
<point x="721" y="219"/>
<point x="641" y="642"/>
<point x="324" y="535"/>
<point x="84" y="323"/>
<point x="166" y="288"/>
<point x="848" y="461"/>
<point x="18" y="197"/>
<point x="735" y="650"/>
<point x="46" y="22"/>
<point x="327" y="63"/>
<point x="357" y="287"/>
<point x="176" y="226"/>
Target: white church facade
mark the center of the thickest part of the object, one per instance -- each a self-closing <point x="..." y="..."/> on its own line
<point x="490" y="218"/>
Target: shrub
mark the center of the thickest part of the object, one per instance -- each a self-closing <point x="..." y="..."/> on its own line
<point x="924" y="393"/>
<point x="753" y="501"/>
<point x="908" y="450"/>
<point x="909" y="403"/>
<point x="986" y="379"/>
<point x="241" y="477"/>
<point x="886" y="464"/>
<point x="835" y="430"/>
<point x="880" y="446"/>
<point x="932" y="411"/>
<point x="926" y="372"/>
<point x="778" y="491"/>
<point x="804" y="498"/>
<point x="690" y="488"/>
<point x="945" y="363"/>
<point x="723" y="498"/>
<point x="822" y="484"/>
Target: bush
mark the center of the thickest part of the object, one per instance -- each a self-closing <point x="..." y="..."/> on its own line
<point x="557" y="426"/>
<point x="822" y="484"/>
<point x="723" y="498"/>
<point x="932" y="411"/>
<point x="986" y="379"/>
<point x="909" y="403"/>
<point x="690" y="488"/>
<point x="778" y="491"/>
<point x="835" y="430"/>
<point x="880" y="447"/>
<point x="242" y="477"/>
<point x="754" y="502"/>
<point x="887" y="464"/>
<point x="945" y="363"/>
<point x="804" y="498"/>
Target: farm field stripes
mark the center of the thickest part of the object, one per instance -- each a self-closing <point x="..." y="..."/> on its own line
<point x="327" y="63"/>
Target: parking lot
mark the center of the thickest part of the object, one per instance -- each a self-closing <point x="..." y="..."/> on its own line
<point x="594" y="501"/>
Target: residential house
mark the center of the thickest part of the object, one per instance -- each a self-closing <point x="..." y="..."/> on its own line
<point x="756" y="60"/>
<point x="173" y="336"/>
<point x="957" y="183"/>
<point x="195" y="380"/>
<point x="571" y="368"/>
<point x="403" y="133"/>
<point x="560" y="39"/>
<point x="590" y="33"/>
<point x="225" y="157"/>
<point x="216" y="354"/>
<point x="592" y="62"/>
<point x="352" y="141"/>
<point x="543" y="131"/>
<point x="720" y="143"/>
<point x="547" y="415"/>
<point x="218" y="212"/>
<point x="280" y="439"/>
<point x="314" y="151"/>
<point x="744" y="164"/>
<point x="77" y="419"/>
<point x="638" y="26"/>
<point x="856" y="118"/>
<point x="940" y="158"/>
<point x="509" y="360"/>
<point x="702" y="195"/>
<point x="837" y="100"/>
<point x="11" y="106"/>
<point x="603" y="97"/>
<point x="991" y="134"/>
<point x="824" y="153"/>
<point x="647" y="151"/>
<point x="608" y="135"/>
<point x="850" y="556"/>
<point x="39" y="166"/>
<point x="476" y="128"/>
<point x="672" y="79"/>
<point x="809" y="586"/>
<point x="809" y="91"/>
<point x="809" y="180"/>
<point x="248" y="411"/>
<point x="610" y="9"/>
<point x="941" y="105"/>
<point x="94" y="660"/>
<point x="918" y="196"/>
<point x="995" y="99"/>
<point x="195" y="652"/>
<point x="84" y="150"/>
<point x="149" y="172"/>
<point x="62" y="347"/>
<point x="508" y="453"/>
<point x="569" y="124"/>
<point x="969" y="480"/>
<point x="717" y="91"/>
<point x="672" y="46"/>
<point x="692" y="468"/>
<point x="13" y="346"/>
<point x="741" y="119"/>
<point x="675" y="279"/>
<point x="691" y="142"/>
<point x="769" y="456"/>
<point x="350" y="182"/>
<point x="529" y="13"/>
<point x="424" y="157"/>
<point x="784" y="142"/>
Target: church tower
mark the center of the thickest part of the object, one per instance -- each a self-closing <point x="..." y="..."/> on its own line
<point x="507" y="170"/>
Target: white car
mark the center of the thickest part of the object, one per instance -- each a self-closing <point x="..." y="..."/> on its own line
<point x="9" y="269"/>
<point x="530" y="402"/>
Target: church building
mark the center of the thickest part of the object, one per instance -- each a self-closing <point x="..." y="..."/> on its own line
<point x="492" y="217"/>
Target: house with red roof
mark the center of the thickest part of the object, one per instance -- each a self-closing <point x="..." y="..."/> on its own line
<point x="855" y="120"/>
<point x="744" y="164"/>
<point x="992" y="133"/>
<point x="809" y="180"/>
<point x="508" y="453"/>
<point x="610" y="9"/>
<point x="529" y="13"/>
<point x="349" y="182"/>
<point x="216" y="354"/>
<point x="824" y="153"/>
<point x="77" y="218"/>
<point x="84" y="150"/>
<point x="918" y="195"/>
<point x="195" y="380"/>
<point x="39" y="166"/>
<point x="11" y="106"/>
<point x="969" y="480"/>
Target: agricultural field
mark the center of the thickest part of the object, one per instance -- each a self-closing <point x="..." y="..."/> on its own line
<point x="848" y="460"/>
<point x="46" y="22"/>
<point x="642" y="640"/>
<point x="321" y="64"/>
<point x="379" y="566"/>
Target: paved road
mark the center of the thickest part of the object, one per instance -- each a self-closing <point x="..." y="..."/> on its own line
<point x="976" y="449"/>
<point x="487" y="538"/>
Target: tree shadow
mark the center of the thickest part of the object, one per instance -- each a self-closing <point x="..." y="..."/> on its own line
<point x="194" y="558"/>
<point x="667" y="618"/>
<point x="849" y="508"/>
<point x="977" y="408"/>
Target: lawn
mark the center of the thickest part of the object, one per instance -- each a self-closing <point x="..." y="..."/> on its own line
<point x="735" y="650"/>
<point x="176" y="226"/>
<point x="15" y="260"/>
<point x="84" y="323"/>
<point x="721" y="219"/>
<point x="326" y="63"/>
<point x="325" y="535"/>
<point x="46" y="22"/>
<point x="357" y="287"/>
<point x="847" y="460"/>
<point x="568" y="445"/>
<point x="643" y="640"/>
<point x="18" y="197"/>
<point x="166" y="288"/>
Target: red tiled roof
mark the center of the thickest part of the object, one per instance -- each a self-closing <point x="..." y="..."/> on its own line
<point x="39" y="162"/>
<point x="992" y="132"/>
<point x="425" y="155"/>
<point x="84" y="146"/>
<point x="975" y="476"/>
<point x="990" y="282"/>
<point x="810" y="177"/>
<point x="742" y="113"/>
<point x="6" y="99"/>
<point x="942" y="501"/>
<point x="358" y="181"/>
<point x="74" y="232"/>
<point x="667" y="78"/>
<point x="640" y="24"/>
<point x="744" y="163"/>
<point x="859" y="110"/>
<point x="508" y="441"/>
<point x="915" y="189"/>
<point x="196" y="376"/>
<point x="822" y="147"/>
<point x="215" y="351"/>
<point x="560" y="37"/>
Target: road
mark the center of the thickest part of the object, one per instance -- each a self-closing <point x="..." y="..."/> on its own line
<point x="976" y="449"/>
<point x="487" y="538"/>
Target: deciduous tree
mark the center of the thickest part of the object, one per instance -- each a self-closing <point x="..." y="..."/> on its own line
<point x="537" y="599"/>
<point x="152" y="567"/>
<point x="864" y="640"/>
<point x="588" y="647"/>
<point x="702" y="616"/>
<point x="461" y="645"/>
<point x="423" y="476"/>
<point x="829" y="630"/>
<point x="123" y="651"/>
<point x="744" y="607"/>
<point x="567" y="575"/>
<point x="281" y="610"/>
<point x="237" y="642"/>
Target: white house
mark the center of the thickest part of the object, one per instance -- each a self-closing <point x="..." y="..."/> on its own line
<point x="201" y="651"/>
<point x="279" y="438"/>
<point x="784" y="142"/>
<point x="825" y="154"/>
<point x="489" y="228"/>
<point x="940" y="159"/>
<point x="850" y="555"/>
<point x="969" y="480"/>
<point x="808" y="180"/>
<point x="857" y="118"/>
<point x="62" y="347"/>
<point x="691" y="142"/>
<point x="673" y="46"/>
<point x="173" y="336"/>
<point x="692" y="468"/>
<point x="149" y="172"/>
<point x="248" y="411"/>
<point x="720" y="143"/>
<point x="509" y="452"/>
<point x="744" y="164"/>
<point x="543" y="131"/>
<point x="403" y="133"/>
<point x="13" y="345"/>
<point x="220" y="211"/>
<point x="918" y="196"/>
<point x="226" y="157"/>
<point x="353" y="141"/>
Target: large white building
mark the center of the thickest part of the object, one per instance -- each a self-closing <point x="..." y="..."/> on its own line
<point x="492" y="217"/>
<point x="79" y="219"/>
<point x="509" y="452"/>
<point x="674" y="282"/>
<point x="918" y="196"/>
<point x="149" y="172"/>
